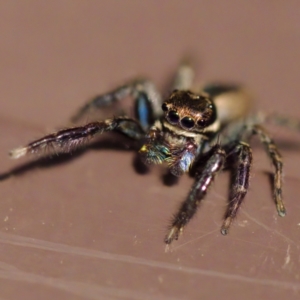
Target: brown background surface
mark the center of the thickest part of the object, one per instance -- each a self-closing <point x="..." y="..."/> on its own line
<point x="89" y="226"/>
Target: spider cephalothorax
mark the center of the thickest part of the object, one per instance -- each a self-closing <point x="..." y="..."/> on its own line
<point x="204" y="130"/>
<point x="189" y="111"/>
<point x="176" y="138"/>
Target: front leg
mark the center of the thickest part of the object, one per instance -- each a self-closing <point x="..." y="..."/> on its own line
<point x="199" y="189"/>
<point x="67" y="140"/>
<point x="147" y="101"/>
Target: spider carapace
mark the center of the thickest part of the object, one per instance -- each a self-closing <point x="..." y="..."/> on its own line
<point x="198" y="132"/>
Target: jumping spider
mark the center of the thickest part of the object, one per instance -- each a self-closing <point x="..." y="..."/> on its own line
<point x="198" y="132"/>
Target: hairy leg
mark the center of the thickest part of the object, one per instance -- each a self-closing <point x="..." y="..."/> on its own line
<point x="68" y="139"/>
<point x="281" y="120"/>
<point x="184" y="76"/>
<point x="276" y="159"/>
<point x="241" y="157"/>
<point x="147" y="101"/>
<point x="198" y="191"/>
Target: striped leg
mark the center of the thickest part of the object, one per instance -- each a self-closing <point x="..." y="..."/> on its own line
<point x="282" y="120"/>
<point x="68" y="139"/>
<point x="276" y="159"/>
<point x="199" y="189"/>
<point x="147" y="101"/>
<point x="242" y="156"/>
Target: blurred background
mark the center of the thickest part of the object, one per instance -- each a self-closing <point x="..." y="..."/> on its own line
<point x="87" y="226"/>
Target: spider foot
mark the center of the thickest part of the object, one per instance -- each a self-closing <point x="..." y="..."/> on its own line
<point x="281" y="209"/>
<point x="279" y="203"/>
<point x="173" y="234"/>
<point x="18" y="152"/>
<point x="226" y="225"/>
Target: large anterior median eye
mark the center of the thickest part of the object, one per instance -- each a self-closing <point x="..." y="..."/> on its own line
<point x="173" y="116"/>
<point x="187" y="122"/>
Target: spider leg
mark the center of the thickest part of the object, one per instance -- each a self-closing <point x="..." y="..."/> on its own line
<point x="147" y="101"/>
<point x="67" y="139"/>
<point x="281" y="120"/>
<point x="199" y="189"/>
<point x="242" y="156"/>
<point x="184" y="76"/>
<point x="276" y="159"/>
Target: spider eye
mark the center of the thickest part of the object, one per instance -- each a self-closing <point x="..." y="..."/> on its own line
<point x="164" y="107"/>
<point x="201" y="123"/>
<point x="173" y="116"/>
<point x="187" y="122"/>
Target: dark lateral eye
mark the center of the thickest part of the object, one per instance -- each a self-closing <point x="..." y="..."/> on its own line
<point x="187" y="122"/>
<point x="173" y="116"/>
<point x="201" y="123"/>
<point x="164" y="107"/>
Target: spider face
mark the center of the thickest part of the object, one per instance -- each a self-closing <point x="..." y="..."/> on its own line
<point x="189" y="111"/>
<point x="203" y="131"/>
